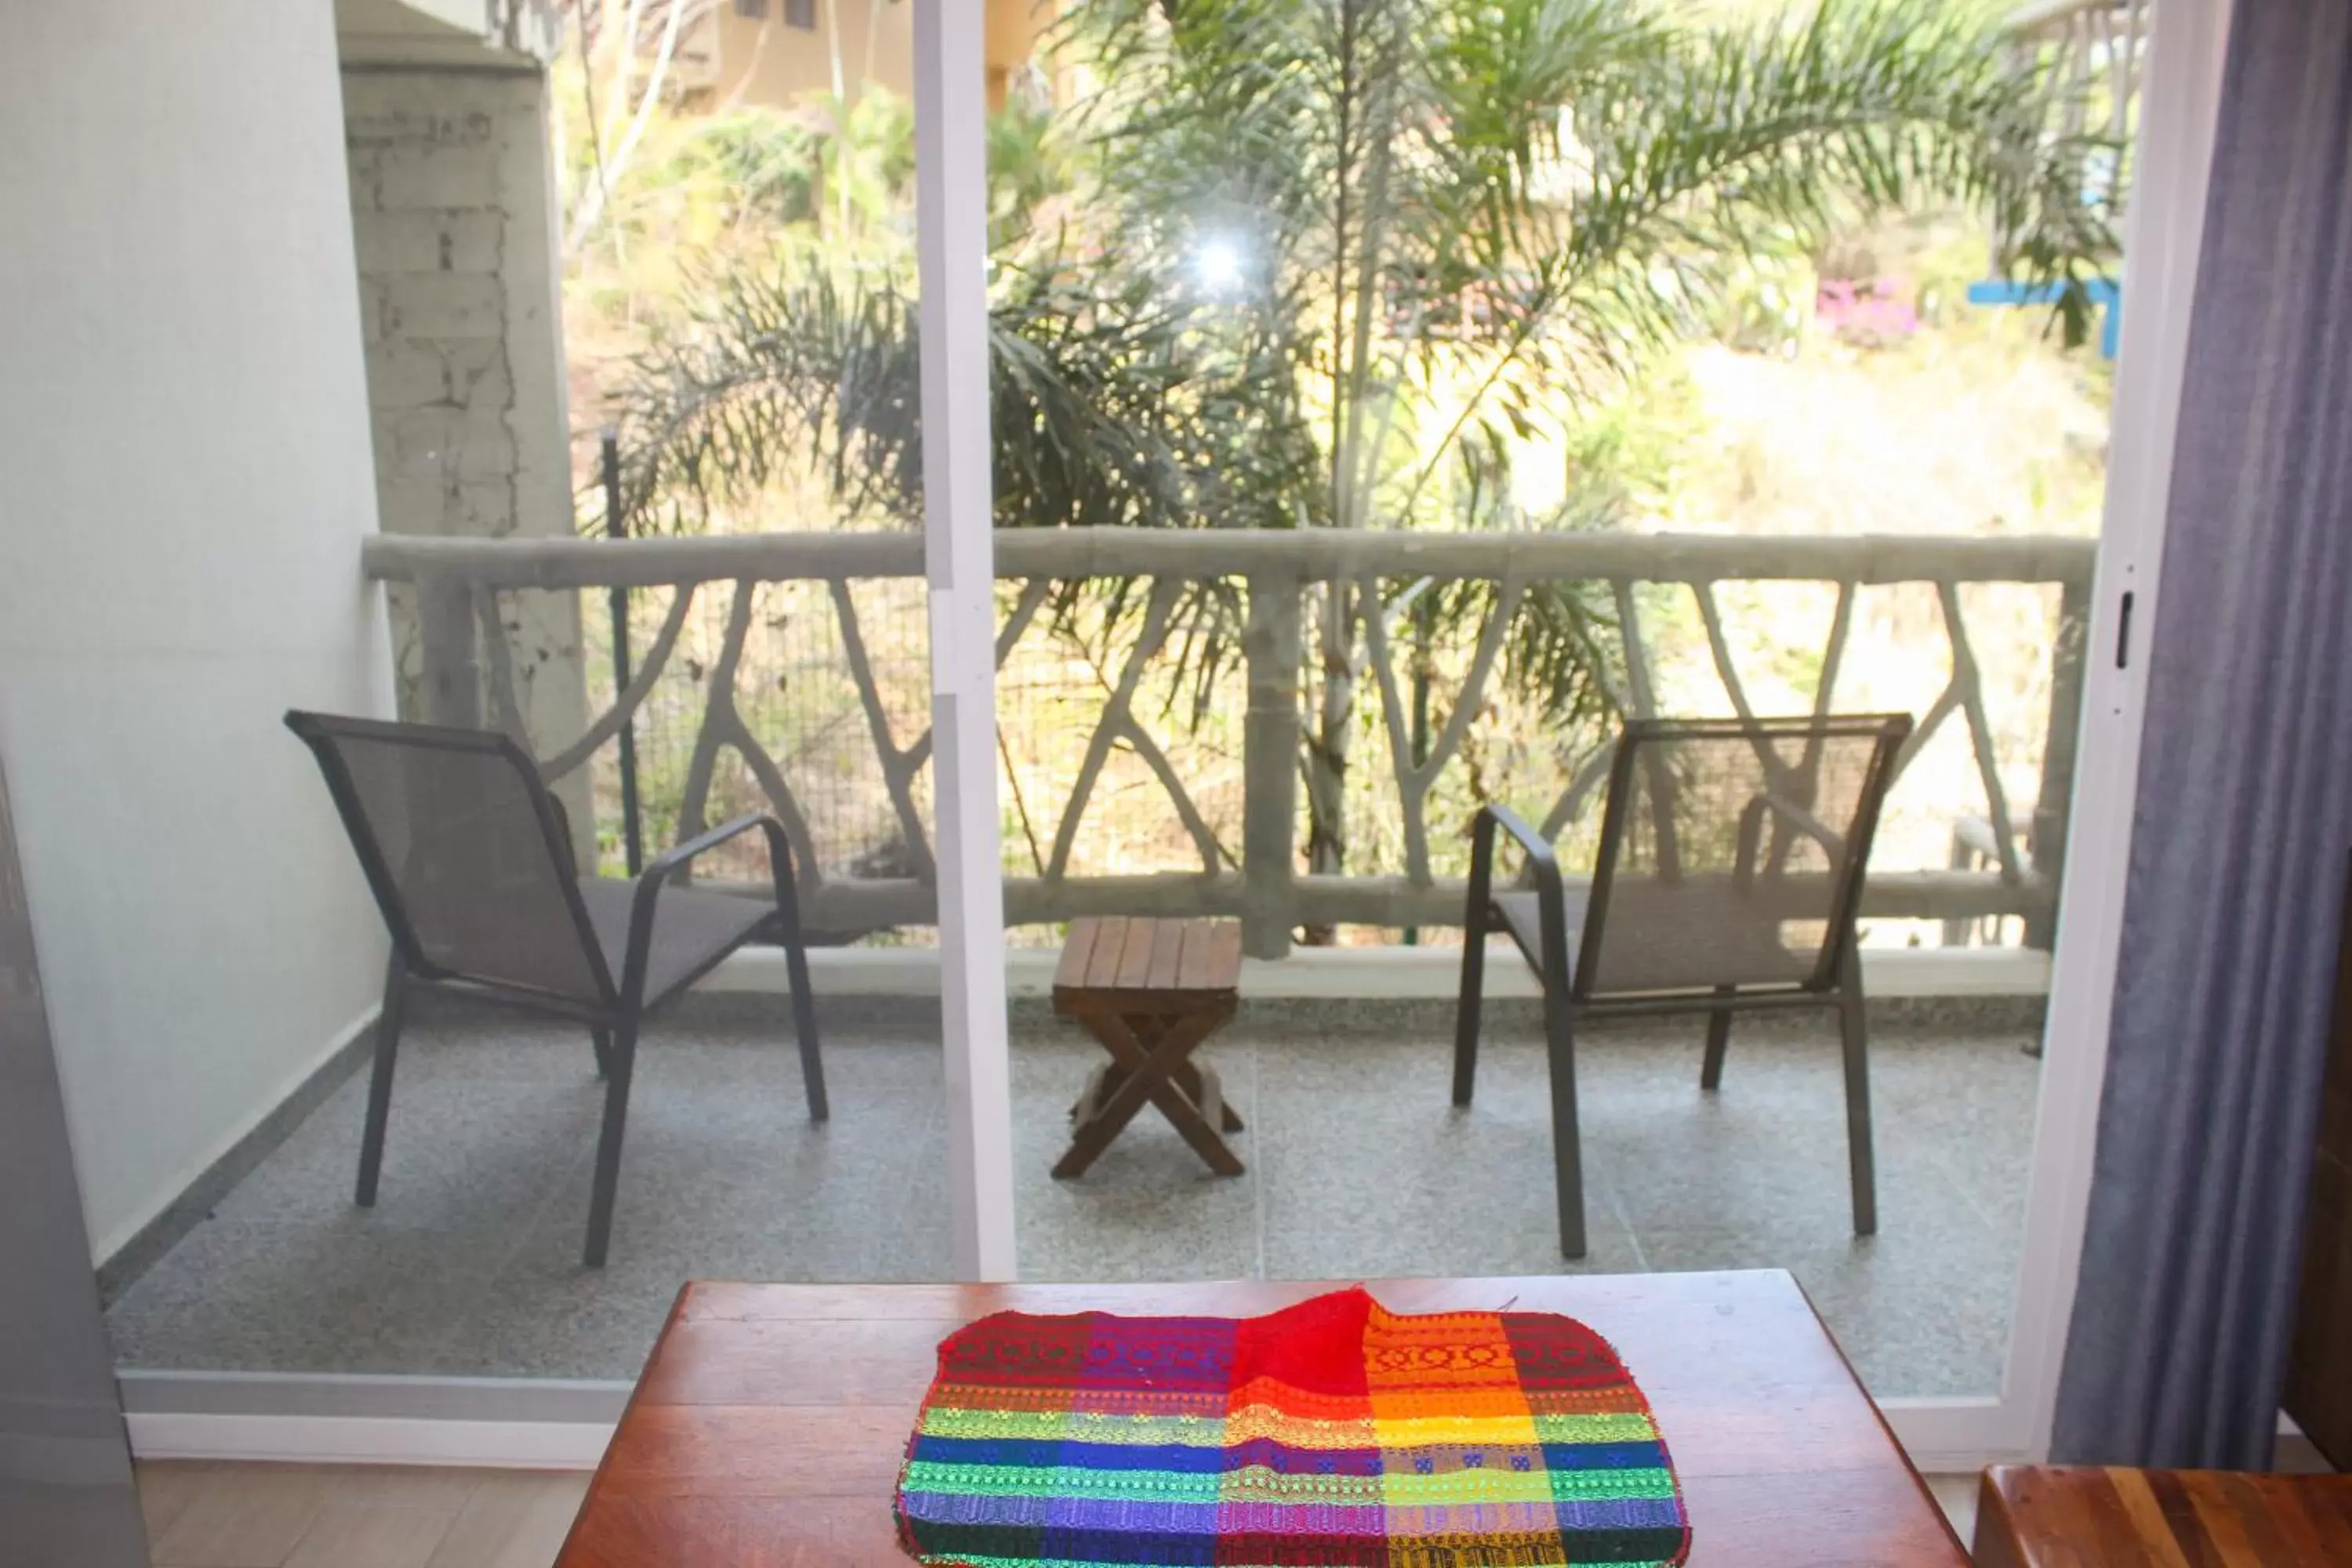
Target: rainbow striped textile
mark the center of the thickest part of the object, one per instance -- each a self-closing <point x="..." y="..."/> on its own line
<point x="1332" y="1432"/>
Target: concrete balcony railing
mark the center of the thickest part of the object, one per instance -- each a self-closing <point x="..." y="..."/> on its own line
<point x="466" y="672"/>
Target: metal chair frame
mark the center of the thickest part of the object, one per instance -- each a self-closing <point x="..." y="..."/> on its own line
<point x="1569" y="995"/>
<point x="618" y="1012"/>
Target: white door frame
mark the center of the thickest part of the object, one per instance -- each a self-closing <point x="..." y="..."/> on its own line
<point x="2179" y="102"/>
<point x="2179" y="98"/>
<point x="960" y="553"/>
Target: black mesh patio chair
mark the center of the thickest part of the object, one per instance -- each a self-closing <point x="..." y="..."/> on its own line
<point x="471" y="861"/>
<point x="1729" y="868"/>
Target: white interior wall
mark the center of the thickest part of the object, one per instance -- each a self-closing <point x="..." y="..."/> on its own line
<point x="184" y="481"/>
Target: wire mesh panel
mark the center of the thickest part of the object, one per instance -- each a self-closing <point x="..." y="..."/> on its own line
<point x="1119" y="724"/>
<point x="1733" y="846"/>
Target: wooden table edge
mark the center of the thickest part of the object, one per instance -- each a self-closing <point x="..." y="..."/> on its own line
<point x="688" y="1291"/>
<point x="596" y="1478"/>
<point x="1919" y="1476"/>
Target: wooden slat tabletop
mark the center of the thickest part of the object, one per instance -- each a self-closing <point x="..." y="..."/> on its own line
<point x="769" y="1424"/>
<point x="1113" y="958"/>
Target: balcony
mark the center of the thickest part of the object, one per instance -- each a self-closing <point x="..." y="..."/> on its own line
<point x="785" y="673"/>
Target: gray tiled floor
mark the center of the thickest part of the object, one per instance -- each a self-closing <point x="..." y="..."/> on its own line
<point x="470" y="1264"/>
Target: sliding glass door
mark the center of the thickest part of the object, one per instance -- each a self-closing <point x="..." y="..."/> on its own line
<point x="1332" y="506"/>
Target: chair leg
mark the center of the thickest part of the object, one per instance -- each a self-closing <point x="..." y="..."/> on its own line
<point x="796" y="971"/>
<point x="1467" y="1000"/>
<point x="1466" y="1007"/>
<point x="1718" y="1041"/>
<point x="379" y="1107"/>
<point x="1860" y="1159"/>
<point x="602" y="1041"/>
<point x="608" y="1142"/>
<point x="1566" y="1138"/>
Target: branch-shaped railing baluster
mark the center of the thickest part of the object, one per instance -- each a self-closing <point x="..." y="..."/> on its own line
<point x="1642" y="702"/>
<point x="1034" y="593"/>
<point x="718" y="698"/>
<point x="498" y="653"/>
<point x="1158" y="615"/>
<point x="1946" y="703"/>
<point x="1970" y="686"/>
<point x="809" y="869"/>
<point x="1641" y="699"/>
<point x="624" y="707"/>
<point x="1824" y="703"/>
<point x="1832" y="660"/>
<point x="1633" y="702"/>
<point x="1413" y="779"/>
<point x="1776" y="768"/>
<point x="723" y="726"/>
<point x="1719" y="648"/>
<point x="1204" y="837"/>
<point x="899" y="767"/>
<point x="1580" y="785"/>
<point x="1825" y="685"/>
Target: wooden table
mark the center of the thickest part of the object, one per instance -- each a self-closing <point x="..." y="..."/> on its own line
<point x="770" y="1425"/>
<point x="1151" y="990"/>
<point x="2087" y="1516"/>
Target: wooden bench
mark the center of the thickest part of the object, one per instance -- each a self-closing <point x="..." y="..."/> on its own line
<point x="2089" y="1516"/>
<point x="1151" y="990"/>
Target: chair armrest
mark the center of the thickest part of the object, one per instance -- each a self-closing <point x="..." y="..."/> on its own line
<point x="1543" y="864"/>
<point x="670" y="861"/>
<point x="1541" y="857"/>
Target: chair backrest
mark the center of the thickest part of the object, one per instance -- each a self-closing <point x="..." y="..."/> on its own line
<point x="465" y="852"/>
<point x="1732" y="851"/>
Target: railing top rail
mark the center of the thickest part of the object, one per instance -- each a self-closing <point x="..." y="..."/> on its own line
<point x="1309" y="553"/>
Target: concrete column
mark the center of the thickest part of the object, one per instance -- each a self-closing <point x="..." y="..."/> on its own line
<point x="453" y="221"/>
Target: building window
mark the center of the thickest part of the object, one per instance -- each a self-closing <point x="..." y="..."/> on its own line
<point x="757" y="10"/>
<point x="800" y="14"/>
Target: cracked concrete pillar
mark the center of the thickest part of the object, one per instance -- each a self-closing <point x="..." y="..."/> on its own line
<point x="454" y="223"/>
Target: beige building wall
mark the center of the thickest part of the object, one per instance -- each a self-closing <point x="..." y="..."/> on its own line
<point x="763" y="56"/>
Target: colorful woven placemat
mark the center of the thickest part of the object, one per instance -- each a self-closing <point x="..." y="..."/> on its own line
<point x="1332" y="1432"/>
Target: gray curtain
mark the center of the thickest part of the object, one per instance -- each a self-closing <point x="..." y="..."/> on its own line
<point x="2179" y="1343"/>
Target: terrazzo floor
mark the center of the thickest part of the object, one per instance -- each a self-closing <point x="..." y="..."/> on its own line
<point x="470" y="1264"/>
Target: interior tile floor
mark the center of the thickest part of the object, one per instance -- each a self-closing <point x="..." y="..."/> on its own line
<point x="469" y="1265"/>
<point x="316" y="1516"/>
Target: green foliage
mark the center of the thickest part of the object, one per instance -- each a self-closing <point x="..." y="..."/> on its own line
<point x="1110" y="410"/>
<point x="1342" y="262"/>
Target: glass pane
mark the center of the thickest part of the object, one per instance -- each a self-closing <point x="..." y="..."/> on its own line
<point x="726" y="193"/>
<point x="1551" y="427"/>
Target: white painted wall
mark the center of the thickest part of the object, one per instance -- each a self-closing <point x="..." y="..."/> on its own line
<point x="184" y="480"/>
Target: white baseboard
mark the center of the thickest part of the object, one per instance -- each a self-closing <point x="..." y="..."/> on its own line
<point x="368" y="1440"/>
